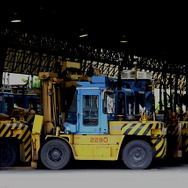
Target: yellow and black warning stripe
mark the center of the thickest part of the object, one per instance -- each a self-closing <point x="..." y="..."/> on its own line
<point x="184" y="128"/>
<point x="160" y="147"/>
<point x="140" y="129"/>
<point x="172" y="127"/>
<point x="184" y="125"/>
<point x="152" y="129"/>
<point x="185" y="145"/>
<point x="20" y="131"/>
<point x="30" y="119"/>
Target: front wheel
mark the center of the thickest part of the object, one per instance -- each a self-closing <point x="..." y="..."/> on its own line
<point x="56" y="154"/>
<point x="8" y="154"/>
<point x="137" y="154"/>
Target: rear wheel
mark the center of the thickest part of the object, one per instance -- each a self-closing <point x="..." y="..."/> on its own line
<point x="137" y="154"/>
<point x="56" y="154"/>
<point x="8" y="154"/>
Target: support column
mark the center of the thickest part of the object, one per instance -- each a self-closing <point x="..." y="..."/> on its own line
<point x="160" y="96"/>
<point x="186" y="74"/>
<point x="3" y="50"/>
<point x="176" y="93"/>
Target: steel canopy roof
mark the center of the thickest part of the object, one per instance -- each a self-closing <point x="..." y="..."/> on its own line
<point x="152" y="30"/>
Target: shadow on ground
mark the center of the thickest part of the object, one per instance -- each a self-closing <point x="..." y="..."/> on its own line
<point x="157" y="164"/>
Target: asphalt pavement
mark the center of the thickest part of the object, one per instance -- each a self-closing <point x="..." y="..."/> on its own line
<point x="97" y="174"/>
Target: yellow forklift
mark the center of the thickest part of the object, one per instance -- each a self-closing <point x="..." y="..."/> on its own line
<point x="88" y="128"/>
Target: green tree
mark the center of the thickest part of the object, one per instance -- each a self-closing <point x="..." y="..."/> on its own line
<point x="34" y="84"/>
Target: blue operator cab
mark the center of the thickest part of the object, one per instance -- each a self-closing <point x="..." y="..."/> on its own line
<point x="91" y="106"/>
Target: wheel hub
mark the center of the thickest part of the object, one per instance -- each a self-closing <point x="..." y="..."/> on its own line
<point x="137" y="155"/>
<point x="55" y="154"/>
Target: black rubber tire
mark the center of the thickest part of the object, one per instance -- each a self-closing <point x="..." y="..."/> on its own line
<point x="137" y="154"/>
<point x="56" y="154"/>
<point x="9" y="154"/>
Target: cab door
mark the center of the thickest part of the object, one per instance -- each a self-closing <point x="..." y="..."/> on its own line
<point x="89" y="111"/>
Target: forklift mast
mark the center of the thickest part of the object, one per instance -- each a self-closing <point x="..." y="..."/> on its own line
<point x="52" y="100"/>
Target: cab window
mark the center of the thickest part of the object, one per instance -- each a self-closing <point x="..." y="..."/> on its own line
<point x="109" y="102"/>
<point x="90" y="110"/>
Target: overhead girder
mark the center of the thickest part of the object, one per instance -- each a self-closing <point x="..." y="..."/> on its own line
<point x="31" y="53"/>
<point x="29" y="62"/>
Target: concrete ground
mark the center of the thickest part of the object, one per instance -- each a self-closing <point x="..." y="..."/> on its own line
<point x="97" y="174"/>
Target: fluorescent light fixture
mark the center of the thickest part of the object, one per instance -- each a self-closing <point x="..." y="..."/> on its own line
<point x="16" y="21"/>
<point x="123" y="41"/>
<point x="83" y="35"/>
